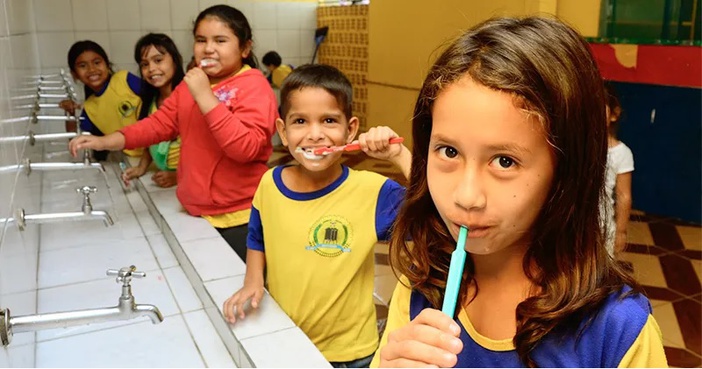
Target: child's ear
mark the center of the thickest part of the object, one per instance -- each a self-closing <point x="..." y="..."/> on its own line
<point x="353" y="129"/>
<point x="75" y="76"/>
<point x="280" y="127"/>
<point x="246" y="49"/>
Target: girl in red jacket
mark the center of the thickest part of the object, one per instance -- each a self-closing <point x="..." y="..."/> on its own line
<point x="225" y="114"/>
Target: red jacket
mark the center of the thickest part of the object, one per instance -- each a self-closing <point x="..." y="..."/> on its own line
<point x="223" y="154"/>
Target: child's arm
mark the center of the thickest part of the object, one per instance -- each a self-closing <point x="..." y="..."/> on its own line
<point x="199" y="86"/>
<point x="139" y="170"/>
<point x="113" y="142"/>
<point x="375" y="143"/>
<point x="70" y="106"/>
<point x="622" y="209"/>
<point x="253" y="287"/>
<point x="244" y="129"/>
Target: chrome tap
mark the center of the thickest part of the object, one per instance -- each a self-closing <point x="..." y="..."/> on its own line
<point x="126" y="309"/>
<point x="86" y="213"/>
<point x="86" y="164"/>
<point x="34" y="138"/>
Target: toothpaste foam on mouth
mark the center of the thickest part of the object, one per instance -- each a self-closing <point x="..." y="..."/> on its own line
<point x="206" y="62"/>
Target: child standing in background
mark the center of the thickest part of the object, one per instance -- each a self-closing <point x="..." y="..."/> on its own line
<point x="111" y="99"/>
<point x="276" y="69"/>
<point x="322" y="216"/>
<point x="510" y="142"/>
<point x="620" y="165"/>
<point x="161" y="67"/>
<point x="225" y="115"/>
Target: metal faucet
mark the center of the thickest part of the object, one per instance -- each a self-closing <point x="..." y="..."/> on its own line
<point x="34" y="138"/>
<point x="86" y="213"/>
<point x="126" y="309"/>
<point x="50" y="166"/>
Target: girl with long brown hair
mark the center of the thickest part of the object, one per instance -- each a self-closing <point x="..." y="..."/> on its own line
<point x="510" y="142"/>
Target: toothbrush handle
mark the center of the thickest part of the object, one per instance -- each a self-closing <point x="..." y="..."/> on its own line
<point x="453" y="282"/>
<point x="357" y="146"/>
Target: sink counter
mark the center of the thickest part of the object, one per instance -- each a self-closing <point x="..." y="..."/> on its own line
<point x="266" y="337"/>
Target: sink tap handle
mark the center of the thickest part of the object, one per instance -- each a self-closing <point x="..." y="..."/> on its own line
<point x="86" y="191"/>
<point x="125" y="274"/>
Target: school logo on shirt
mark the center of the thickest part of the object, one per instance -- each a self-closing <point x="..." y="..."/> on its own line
<point x="330" y="236"/>
<point x="126" y="109"/>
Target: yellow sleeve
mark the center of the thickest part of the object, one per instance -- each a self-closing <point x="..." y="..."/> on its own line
<point x="398" y="315"/>
<point x="647" y="351"/>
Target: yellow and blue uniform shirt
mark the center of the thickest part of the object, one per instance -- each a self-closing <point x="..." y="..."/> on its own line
<point x="116" y="106"/>
<point x="622" y="333"/>
<point x="319" y="249"/>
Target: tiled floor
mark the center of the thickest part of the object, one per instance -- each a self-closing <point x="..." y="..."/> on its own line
<point x="665" y="254"/>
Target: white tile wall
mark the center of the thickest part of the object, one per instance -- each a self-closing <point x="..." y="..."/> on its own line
<point x="67" y="270"/>
<point x="89" y="15"/>
<point x="155" y="15"/>
<point x="53" y="15"/>
<point x="284" y="26"/>
<point x="122" y="16"/>
<point x="18" y="251"/>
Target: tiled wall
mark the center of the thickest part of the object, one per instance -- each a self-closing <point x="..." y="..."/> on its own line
<point x="284" y="26"/>
<point x="18" y="251"/>
<point x="346" y="47"/>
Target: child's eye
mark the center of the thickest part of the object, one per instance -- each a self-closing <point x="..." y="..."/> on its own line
<point x="448" y="151"/>
<point x="504" y="162"/>
<point x="329" y="120"/>
<point x="299" y="121"/>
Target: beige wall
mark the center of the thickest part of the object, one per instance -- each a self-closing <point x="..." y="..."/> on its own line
<point x="405" y="36"/>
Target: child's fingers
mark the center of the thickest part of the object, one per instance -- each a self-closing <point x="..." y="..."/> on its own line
<point x="413" y="353"/>
<point x="229" y="307"/>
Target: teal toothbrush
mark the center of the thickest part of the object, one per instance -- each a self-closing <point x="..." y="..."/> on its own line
<point x="453" y="282"/>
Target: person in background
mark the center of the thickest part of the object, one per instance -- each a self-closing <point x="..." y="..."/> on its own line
<point x="510" y="142"/>
<point x="314" y="226"/>
<point x="112" y="98"/>
<point x="225" y="115"/>
<point x="161" y="67"/>
<point x="276" y="69"/>
<point x="620" y="165"/>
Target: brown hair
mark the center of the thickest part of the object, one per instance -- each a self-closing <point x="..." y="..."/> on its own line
<point x="322" y="76"/>
<point x="549" y="69"/>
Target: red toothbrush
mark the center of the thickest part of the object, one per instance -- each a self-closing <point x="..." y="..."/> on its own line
<point x="354" y="146"/>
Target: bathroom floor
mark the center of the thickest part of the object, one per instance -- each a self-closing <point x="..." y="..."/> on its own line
<point x="665" y="254"/>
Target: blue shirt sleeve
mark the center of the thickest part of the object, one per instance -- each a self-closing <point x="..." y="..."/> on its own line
<point x="254" y="240"/>
<point x="389" y="201"/>
<point x="134" y="83"/>
<point x="86" y="125"/>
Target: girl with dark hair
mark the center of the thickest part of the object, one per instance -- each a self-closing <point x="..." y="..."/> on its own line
<point x="225" y="115"/>
<point x="111" y="99"/>
<point x="510" y="142"/>
<point x="161" y="68"/>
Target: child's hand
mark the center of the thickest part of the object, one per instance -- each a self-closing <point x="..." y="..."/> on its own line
<point x="86" y="142"/>
<point x="376" y="143"/>
<point x="234" y="306"/>
<point x="165" y="178"/>
<point x="132" y="173"/>
<point x="198" y="83"/>
<point x="431" y="339"/>
<point x="69" y="106"/>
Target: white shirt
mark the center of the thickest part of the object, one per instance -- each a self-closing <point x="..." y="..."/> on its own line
<point x="620" y="160"/>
